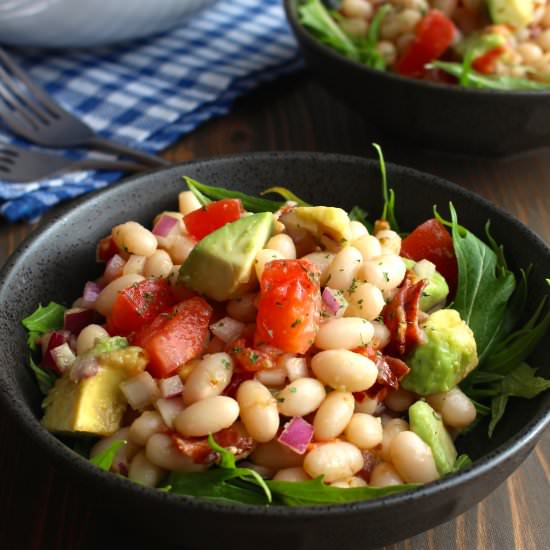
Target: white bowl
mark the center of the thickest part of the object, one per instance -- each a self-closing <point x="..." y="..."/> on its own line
<point x="80" y="23"/>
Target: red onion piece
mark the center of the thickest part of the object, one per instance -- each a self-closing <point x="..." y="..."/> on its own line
<point x="90" y="293"/>
<point x="55" y="339"/>
<point x="227" y="329"/>
<point x="334" y="302"/>
<point x="169" y="409"/>
<point x="296" y="367"/>
<point x="171" y="387"/>
<point x="140" y="390"/>
<point x="296" y="435"/>
<point x="84" y="367"/>
<point x="113" y="268"/>
<point x="77" y="318"/>
<point x="164" y="225"/>
<point x="63" y="357"/>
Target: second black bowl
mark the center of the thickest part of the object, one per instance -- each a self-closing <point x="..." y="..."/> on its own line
<point x="439" y="116"/>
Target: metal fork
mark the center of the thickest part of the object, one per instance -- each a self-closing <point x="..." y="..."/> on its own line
<point x="30" y="112"/>
<point x="22" y="165"/>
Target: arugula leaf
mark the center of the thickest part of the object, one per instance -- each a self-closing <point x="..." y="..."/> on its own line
<point x="45" y="379"/>
<point x="42" y="320"/>
<point x="462" y="461"/>
<point x="492" y="82"/>
<point x="286" y="194"/>
<point x="369" y="52"/>
<point x="315" y="492"/>
<point x="314" y="16"/>
<point x="388" y="213"/>
<point x="226" y="459"/>
<point x="484" y="286"/>
<point x="104" y="460"/>
<point x="498" y="406"/>
<point x="252" y="204"/>
<point x="360" y="215"/>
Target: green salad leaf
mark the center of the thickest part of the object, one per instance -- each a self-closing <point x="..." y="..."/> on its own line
<point x="42" y="320"/>
<point x="104" y="460"/>
<point x="368" y="48"/>
<point x="287" y="194"/>
<point x="462" y="461"/>
<point x="44" y="378"/>
<point x="388" y="212"/>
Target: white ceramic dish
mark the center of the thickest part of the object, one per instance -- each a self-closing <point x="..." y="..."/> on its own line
<point x="85" y="23"/>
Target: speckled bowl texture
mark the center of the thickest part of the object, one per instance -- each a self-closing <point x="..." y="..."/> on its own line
<point x="437" y="116"/>
<point x="56" y="261"/>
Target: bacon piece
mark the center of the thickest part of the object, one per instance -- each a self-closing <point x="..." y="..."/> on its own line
<point x="401" y="316"/>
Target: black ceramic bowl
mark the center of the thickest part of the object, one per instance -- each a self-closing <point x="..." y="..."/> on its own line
<point x="55" y="262"/>
<point x="444" y="117"/>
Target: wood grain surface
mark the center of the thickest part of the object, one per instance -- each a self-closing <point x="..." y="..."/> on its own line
<point x="39" y="509"/>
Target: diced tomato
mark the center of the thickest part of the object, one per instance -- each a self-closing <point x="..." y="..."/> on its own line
<point x="138" y="305"/>
<point x="289" y="305"/>
<point x="175" y="337"/>
<point x="239" y="376"/>
<point x="485" y="63"/>
<point x="212" y="216"/>
<point x="431" y="241"/>
<point x="433" y="36"/>
<point x="106" y="249"/>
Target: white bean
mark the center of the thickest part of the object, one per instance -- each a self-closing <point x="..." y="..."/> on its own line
<point x="344" y="333"/>
<point x="258" y="410"/>
<point x="187" y="202"/>
<point x="88" y="336"/>
<point x="448" y="7"/>
<point x="455" y="407"/>
<point x="391" y="429"/>
<point x="386" y="272"/>
<point x="382" y="335"/>
<point x="333" y="415"/>
<point x="365" y="300"/>
<point x="412" y="458"/>
<point x="530" y="52"/>
<point x="400" y="400"/>
<point x="358" y="230"/>
<point x="209" y="378"/>
<point x="207" y="416"/>
<point x="356" y="8"/>
<point x="366" y="405"/>
<point x="344" y="370"/>
<point x="243" y="308"/>
<point x="301" y="397"/>
<point x="144" y="472"/>
<point x="349" y="483"/>
<point x="264" y="257"/>
<point x="135" y="264"/>
<point x="390" y="241"/>
<point x="344" y="268"/>
<point x="159" y="264"/>
<point x="161" y="452"/>
<point x="322" y="260"/>
<point x="354" y="26"/>
<point x="276" y="456"/>
<point x="543" y="40"/>
<point x="369" y="246"/>
<point x="124" y="454"/>
<point x="133" y="238"/>
<point x="283" y="244"/>
<point x="388" y="51"/>
<point x="384" y="475"/>
<point x="107" y="296"/>
<point x="364" y="431"/>
<point x="146" y="425"/>
<point x="180" y="248"/>
<point x="335" y="460"/>
<point x="291" y="474"/>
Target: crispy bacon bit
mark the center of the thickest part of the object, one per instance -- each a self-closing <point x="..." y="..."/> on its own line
<point x="370" y="460"/>
<point x="401" y="316"/>
<point x="234" y="439"/>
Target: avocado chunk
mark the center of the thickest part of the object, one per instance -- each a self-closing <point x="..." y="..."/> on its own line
<point x="436" y="291"/>
<point x="221" y="266"/>
<point x="427" y="424"/>
<point x="517" y="13"/>
<point x="447" y="356"/>
<point x="318" y="221"/>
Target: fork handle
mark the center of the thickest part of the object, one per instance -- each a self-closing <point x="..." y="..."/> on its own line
<point x="113" y="147"/>
<point x="110" y="165"/>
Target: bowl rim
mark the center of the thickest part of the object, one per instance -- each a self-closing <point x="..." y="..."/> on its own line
<point x="62" y="454"/>
<point x="303" y="34"/>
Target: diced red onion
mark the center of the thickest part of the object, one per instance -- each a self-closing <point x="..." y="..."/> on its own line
<point x="84" y="367"/>
<point x="272" y="377"/>
<point x="63" y="357"/>
<point x="90" y="293"/>
<point x="113" y="268"/>
<point x="169" y="409"/>
<point x="227" y="329"/>
<point x="296" y="367"/>
<point x="140" y="390"/>
<point x="54" y="339"/>
<point x="296" y="435"/>
<point x="77" y="318"/>
<point x="164" y="226"/>
<point x="171" y="387"/>
<point x="334" y="302"/>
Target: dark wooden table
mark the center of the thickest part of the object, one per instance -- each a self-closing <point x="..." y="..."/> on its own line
<point x="39" y="509"/>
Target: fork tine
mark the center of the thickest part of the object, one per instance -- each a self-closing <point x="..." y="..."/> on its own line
<point x="16" y="123"/>
<point x="16" y="110"/>
<point x="22" y="76"/>
<point x="18" y="96"/>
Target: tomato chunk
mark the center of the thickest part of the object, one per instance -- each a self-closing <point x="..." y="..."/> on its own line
<point x="212" y="216"/>
<point x="175" y="337"/>
<point x="486" y="63"/>
<point x="431" y="241"/>
<point x="433" y="35"/>
<point x="289" y="306"/>
<point x="139" y="304"/>
<point x="106" y="249"/>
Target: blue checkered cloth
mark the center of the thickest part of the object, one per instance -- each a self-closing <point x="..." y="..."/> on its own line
<point x="149" y="93"/>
